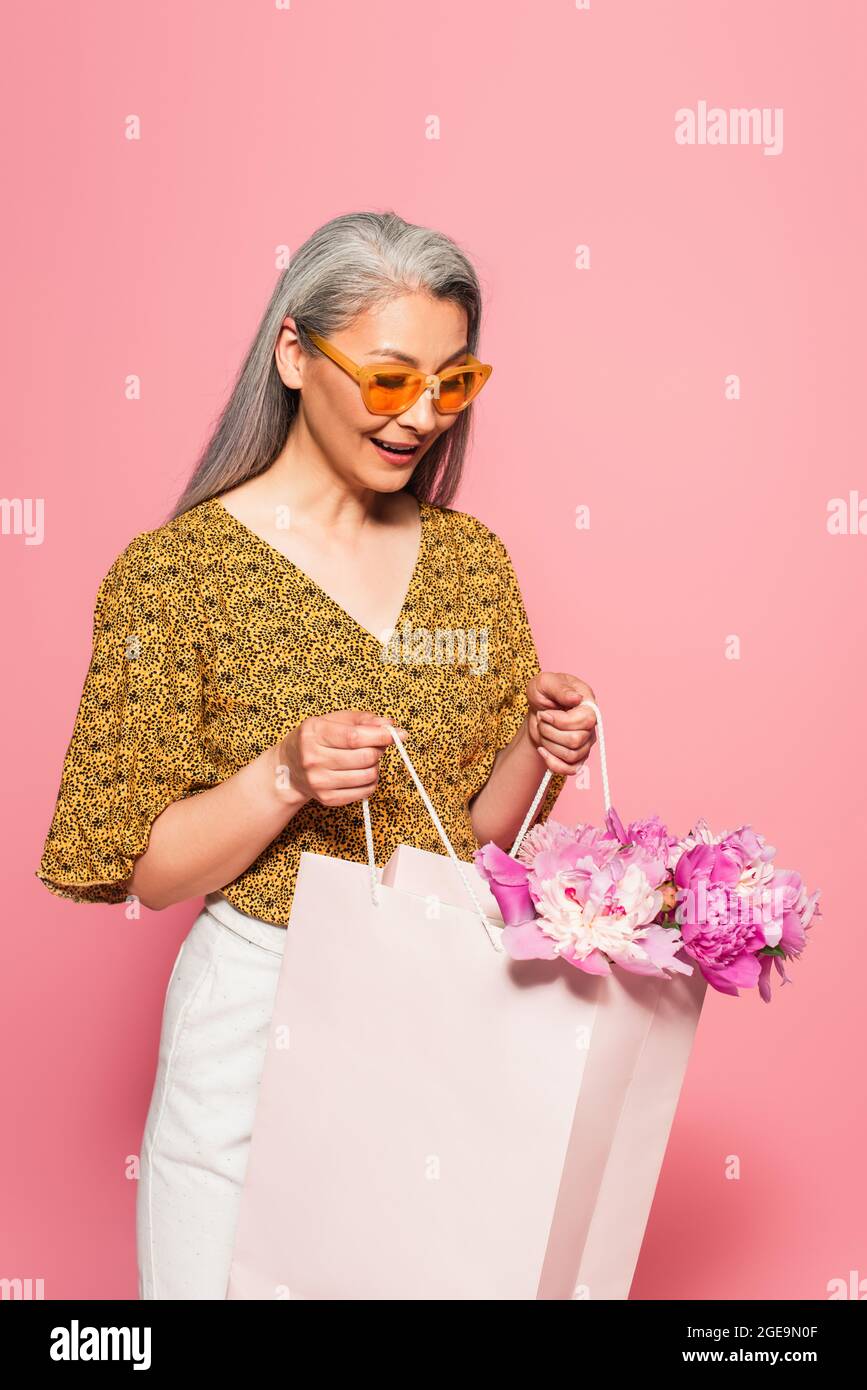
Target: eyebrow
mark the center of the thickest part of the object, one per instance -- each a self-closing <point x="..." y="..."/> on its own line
<point x="396" y="354"/>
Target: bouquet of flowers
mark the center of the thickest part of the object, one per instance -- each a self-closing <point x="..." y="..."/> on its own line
<point x="650" y="903"/>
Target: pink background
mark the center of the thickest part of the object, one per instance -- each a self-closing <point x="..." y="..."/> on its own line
<point x="708" y="516"/>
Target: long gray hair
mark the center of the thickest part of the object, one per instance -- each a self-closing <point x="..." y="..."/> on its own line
<point x="352" y="263"/>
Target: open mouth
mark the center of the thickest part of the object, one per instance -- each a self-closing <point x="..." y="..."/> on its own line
<point x="395" y="453"/>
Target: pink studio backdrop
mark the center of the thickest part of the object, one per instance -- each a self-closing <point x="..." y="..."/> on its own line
<point x="708" y="515"/>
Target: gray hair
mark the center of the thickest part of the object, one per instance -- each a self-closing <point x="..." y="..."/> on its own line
<point x="351" y="264"/>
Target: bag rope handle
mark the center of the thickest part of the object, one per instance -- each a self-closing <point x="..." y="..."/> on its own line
<point x="546" y="779"/>
<point x="490" y="927"/>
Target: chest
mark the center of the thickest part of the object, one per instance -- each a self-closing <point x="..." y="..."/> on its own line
<point x="279" y="650"/>
<point x="371" y="584"/>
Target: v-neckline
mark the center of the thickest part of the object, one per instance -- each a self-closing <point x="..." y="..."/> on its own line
<point x="323" y="595"/>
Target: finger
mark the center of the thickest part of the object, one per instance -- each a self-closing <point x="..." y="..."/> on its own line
<point x="334" y="733"/>
<point x="333" y="759"/>
<point x="572" y="756"/>
<point x="345" y="779"/>
<point x="555" y="764"/>
<point x="367" y="716"/>
<point x="562" y="740"/>
<point x="580" y="717"/>
<point x="562" y="689"/>
<point x="347" y="796"/>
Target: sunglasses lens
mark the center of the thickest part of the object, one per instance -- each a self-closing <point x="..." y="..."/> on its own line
<point x="389" y="393"/>
<point x="457" y="391"/>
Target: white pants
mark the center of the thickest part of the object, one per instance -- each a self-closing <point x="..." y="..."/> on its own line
<point x="218" y="1008"/>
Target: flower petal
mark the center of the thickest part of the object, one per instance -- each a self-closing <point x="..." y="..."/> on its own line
<point x="525" y="941"/>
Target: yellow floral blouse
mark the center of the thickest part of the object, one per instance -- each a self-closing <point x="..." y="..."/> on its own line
<point x="209" y="645"/>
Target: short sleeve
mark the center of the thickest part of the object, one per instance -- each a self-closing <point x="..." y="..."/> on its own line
<point x="519" y="662"/>
<point x="136" y="744"/>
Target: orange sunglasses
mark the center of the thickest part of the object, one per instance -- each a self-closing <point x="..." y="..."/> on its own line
<point x="390" y="390"/>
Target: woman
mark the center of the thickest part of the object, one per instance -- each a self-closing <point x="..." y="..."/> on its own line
<point x="249" y="657"/>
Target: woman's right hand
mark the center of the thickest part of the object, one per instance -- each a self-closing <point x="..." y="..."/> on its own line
<point x="334" y="758"/>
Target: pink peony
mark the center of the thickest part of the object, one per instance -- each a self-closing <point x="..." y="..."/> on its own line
<point x="507" y="881"/>
<point x="749" y="849"/>
<point x="651" y="834"/>
<point x="645" y="842"/>
<point x="795" y="909"/>
<point x="546" y="835"/>
<point x="716" y="932"/>
<point x="661" y="945"/>
<point x="600" y="896"/>
<point x="595" y="909"/>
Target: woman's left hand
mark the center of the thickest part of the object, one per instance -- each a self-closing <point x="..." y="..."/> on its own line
<point x="561" y="727"/>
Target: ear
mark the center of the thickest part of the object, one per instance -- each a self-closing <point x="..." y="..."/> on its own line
<point x="288" y="355"/>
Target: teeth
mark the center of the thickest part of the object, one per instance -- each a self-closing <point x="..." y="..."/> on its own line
<point x="394" y="448"/>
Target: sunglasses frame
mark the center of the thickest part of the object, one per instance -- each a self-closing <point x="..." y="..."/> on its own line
<point x="430" y="382"/>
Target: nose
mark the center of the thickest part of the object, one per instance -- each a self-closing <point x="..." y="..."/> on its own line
<point x="421" y="417"/>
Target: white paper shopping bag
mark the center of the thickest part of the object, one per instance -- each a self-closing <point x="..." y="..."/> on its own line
<point x="438" y="1121"/>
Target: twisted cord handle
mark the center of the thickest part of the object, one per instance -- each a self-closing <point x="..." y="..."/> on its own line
<point x="489" y="926"/>
<point x="546" y="779"/>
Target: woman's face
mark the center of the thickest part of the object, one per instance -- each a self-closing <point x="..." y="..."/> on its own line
<point x="414" y="330"/>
